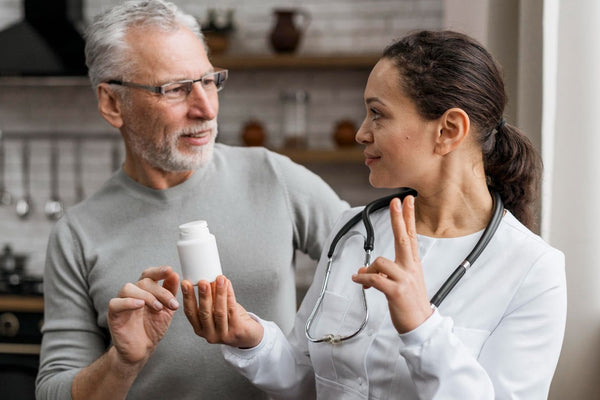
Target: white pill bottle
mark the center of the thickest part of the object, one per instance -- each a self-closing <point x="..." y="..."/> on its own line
<point x="198" y="253"/>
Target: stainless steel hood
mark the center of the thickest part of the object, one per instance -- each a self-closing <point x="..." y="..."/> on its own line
<point x="47" y="42"/>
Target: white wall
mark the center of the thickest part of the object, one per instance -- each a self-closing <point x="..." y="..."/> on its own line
<point x="575" y="215"/>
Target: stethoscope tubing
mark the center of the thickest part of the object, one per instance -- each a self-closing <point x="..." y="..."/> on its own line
<point x="482" y="243"/>
<point x="369" y="243"/>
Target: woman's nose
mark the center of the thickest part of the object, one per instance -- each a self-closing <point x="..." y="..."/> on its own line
<point x="363" y="135"/>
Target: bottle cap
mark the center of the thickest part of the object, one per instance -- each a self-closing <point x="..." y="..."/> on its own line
<point x="193" y="229"/>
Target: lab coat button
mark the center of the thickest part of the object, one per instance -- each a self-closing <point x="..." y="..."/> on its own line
<point x="360" y="381"/>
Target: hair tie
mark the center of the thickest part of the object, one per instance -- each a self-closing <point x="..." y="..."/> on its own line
<point x="500" y="124"/>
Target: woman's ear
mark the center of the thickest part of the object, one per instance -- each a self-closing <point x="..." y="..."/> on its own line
<point x="109" y="105"/>
<point x="454" y="128"/>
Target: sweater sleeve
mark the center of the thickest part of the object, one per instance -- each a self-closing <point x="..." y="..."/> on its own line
<point x="528" y="338"/>
<point x="314" y="206"/>
<point x="71" y="337"/>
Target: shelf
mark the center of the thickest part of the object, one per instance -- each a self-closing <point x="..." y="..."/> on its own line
<point x="20" y="348"/>
<point x="47" y="81"/>
<point x="307" y="156"/>
<point x="233" y="62"/>
<point x="21" y="303"/>
<point x="290" y="61"/>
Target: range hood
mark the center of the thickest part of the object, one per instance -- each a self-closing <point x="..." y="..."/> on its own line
<point x="47" y="42"/>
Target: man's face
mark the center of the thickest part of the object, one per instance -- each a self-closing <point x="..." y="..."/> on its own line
<point x="171" y="136"/>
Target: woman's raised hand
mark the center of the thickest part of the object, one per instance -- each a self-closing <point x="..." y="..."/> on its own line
<point x="216" y="316"/>
<point x="401" y="280"/>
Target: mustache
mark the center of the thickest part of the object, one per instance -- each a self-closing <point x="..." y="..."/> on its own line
<point x="204" y="126"/>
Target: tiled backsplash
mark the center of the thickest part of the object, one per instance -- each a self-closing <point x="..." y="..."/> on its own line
<point x="337" y="27"/>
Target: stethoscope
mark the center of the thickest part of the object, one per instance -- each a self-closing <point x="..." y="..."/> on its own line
<point x="364" y="215"/>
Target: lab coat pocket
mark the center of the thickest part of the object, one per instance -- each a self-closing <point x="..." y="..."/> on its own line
<point x="338" y="316"/>
<point x="331" y="316"/>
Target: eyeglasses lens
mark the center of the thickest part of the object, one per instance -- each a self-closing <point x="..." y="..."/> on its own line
<point x="211" y="83"/>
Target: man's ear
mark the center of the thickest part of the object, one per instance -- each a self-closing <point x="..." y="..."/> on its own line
<point x="109" y="105"/>
<point x="453" y="129"/>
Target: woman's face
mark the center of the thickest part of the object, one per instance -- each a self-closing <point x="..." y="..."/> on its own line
<point x="399" y="143"/>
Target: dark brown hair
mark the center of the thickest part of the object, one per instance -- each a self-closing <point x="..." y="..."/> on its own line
<point x="442" y="70"/>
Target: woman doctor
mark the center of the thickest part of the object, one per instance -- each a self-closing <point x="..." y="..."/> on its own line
<point x="434" y="122"/>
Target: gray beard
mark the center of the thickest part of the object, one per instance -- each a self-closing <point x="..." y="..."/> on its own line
<point x="165" y="156"/>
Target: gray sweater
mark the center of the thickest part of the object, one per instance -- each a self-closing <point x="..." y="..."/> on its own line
<point x="260" y="206"/>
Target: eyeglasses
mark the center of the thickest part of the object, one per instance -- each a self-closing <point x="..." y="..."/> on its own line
<point x="178" y="91"/>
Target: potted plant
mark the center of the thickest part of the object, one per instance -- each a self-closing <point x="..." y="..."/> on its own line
<point x="217" y="28"/>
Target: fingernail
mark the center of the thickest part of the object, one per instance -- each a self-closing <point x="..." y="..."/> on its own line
<point x="184" y="288"/>
<point x="138" y="302"/>
<point x="220" y="281"/>
<point x="201" y="289"/>
<point x="157" y="305"/>
<point x="174" y="304"/>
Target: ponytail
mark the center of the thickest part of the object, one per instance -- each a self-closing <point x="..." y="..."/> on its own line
<point x="513" y="168"/>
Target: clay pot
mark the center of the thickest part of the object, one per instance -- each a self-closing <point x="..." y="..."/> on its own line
<point x="285" y="35"/>
<point x="344" y="133"/>
<point x="253" y="133"/>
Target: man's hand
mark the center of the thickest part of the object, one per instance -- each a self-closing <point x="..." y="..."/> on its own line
<point x="140" y="315"/>
<point x="217" y="316"/>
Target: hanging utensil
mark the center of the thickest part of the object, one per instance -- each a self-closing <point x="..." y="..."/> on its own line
<point x="24" y="206"/>
<point x="54" y="208"/>
<point x="6" y="199"/>
<point x="78" y="171"/>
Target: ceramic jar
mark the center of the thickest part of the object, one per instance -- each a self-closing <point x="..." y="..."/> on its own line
<point x="285" y="34"/>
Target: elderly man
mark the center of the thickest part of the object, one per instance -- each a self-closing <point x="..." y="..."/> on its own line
<point x="107" y="338"/>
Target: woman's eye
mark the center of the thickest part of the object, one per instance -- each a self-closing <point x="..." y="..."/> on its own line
<point x="374" y="114"/>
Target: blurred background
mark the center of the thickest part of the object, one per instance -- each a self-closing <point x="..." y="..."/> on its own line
<point x="297" y="73"/>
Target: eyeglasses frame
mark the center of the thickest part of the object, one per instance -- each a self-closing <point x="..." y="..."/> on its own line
<point x="161" y="89"/>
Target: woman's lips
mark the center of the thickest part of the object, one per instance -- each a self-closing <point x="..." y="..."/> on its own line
<point x="370" y="159"/>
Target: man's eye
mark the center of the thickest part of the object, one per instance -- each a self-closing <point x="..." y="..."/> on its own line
<point x="208" y="81"/>
<point x="175" y="89"/>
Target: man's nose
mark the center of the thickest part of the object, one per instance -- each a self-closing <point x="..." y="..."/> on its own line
<point x="203" y="104"/>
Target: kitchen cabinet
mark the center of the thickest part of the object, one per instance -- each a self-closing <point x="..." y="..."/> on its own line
<point x="21" y="318"/>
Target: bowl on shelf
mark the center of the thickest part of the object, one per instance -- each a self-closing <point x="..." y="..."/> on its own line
<point x="344" y="133"/>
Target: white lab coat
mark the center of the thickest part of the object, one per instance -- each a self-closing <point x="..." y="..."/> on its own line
<point x="498" y="334"/>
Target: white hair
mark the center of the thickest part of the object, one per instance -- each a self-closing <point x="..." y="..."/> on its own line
<point x="106" y="50"/>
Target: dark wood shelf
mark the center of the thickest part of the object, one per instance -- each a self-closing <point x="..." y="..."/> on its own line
<point x="21" y="303"/>
<point x="291" y="61"/>
<point x="336" y="156"/>
<point x="47" y="81"/>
